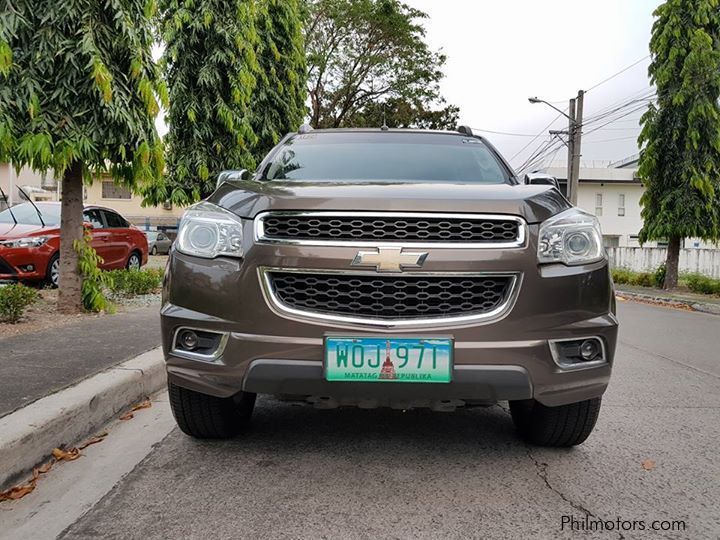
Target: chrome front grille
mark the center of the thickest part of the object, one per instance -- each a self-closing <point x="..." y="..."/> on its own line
<point x="371" y="298"/>
<point x="371" y="228"/>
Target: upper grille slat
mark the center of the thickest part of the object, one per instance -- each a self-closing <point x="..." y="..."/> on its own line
<point x="486" y="230"/>
<point x="391" y="297"/>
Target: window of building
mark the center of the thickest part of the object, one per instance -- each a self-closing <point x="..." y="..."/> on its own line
<point x="598" y="204"/>
<point x="110" y="190"/>
<point x="621" y="204"/>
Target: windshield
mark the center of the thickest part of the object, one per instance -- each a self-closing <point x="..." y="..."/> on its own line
<point x="26" y="214"/>
<point x="390" y="156"/>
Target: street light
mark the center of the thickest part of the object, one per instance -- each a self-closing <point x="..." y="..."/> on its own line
<point x="574" y="141"/>
<point x="538" y="100"/>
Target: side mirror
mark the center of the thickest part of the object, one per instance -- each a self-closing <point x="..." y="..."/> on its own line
<point x="88" y="225"/>
<point x="232" y="176"/>
<point x="541" y="179"/>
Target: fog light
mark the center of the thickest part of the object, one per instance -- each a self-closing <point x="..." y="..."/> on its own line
<point x="578" y="353"/>
<point x="189" y="340"/>
<point x="30" y="268"/>
<point x="589" y="349"/>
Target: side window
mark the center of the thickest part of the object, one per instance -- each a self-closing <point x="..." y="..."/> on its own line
<point x="94" y="217"/>
<point x="114" y="221"/>
<point x="161" y="236"/>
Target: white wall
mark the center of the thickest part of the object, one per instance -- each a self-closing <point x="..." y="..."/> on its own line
<point x="612" y="224"/>
<point x="705" y="261"/>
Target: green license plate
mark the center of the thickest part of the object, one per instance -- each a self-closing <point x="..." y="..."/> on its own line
<point x="370" y="359"/>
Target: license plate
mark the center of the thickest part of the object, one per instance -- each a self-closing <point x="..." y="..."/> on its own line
<point x="370" y="359"/>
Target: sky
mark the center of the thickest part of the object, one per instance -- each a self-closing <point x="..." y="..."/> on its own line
<point x="502" y="52"/>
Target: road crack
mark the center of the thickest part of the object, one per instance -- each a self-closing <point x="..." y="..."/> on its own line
<point x="542" y="473"/>
<point x="672" y="360"/>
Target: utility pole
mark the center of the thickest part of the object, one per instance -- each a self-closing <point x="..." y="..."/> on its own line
<point x="570" y="145"/>
<point x="574" y="150"/>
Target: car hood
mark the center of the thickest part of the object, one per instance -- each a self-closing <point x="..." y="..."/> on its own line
<point x="9" y="231"/>
<point x="535" y="203"/>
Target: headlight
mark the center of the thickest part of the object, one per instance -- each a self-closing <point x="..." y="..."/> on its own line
<point x="571" y="237"/>
<point x="207" y="231"/>
<point x="32" y="241"/>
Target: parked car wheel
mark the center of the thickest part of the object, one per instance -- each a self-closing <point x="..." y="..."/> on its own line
<point x="134" y="261"/>
<point x="209" y="417"/>
<point x="566" y="425"/>
<point x="52" y="275"/>
<point x="154" y="250"/>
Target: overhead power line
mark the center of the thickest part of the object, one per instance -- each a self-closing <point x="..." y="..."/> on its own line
<point x="623" y="70"/>
<point x="504" y="133"/>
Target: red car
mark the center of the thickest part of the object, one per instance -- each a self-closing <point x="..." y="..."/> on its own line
<point x="30" y="241"/>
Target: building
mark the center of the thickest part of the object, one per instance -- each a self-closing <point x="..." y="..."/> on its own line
<point x="102" y="192"/>
<point x="105" y="192"/>
<point x="613" y="195"/>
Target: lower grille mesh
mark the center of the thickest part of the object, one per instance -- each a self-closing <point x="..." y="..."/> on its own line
<point x="391" y="297"/>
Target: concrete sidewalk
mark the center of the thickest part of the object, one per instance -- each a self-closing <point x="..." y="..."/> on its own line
<point x="699" y="302"/>
<point x="38" y="364"/>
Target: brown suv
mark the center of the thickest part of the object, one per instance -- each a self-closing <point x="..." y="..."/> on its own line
<point x="388" y="268"/>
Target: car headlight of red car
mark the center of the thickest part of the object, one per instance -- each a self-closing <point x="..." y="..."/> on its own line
<point x="32" y="241"/>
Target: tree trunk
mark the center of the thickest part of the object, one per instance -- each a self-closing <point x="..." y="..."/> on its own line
<point x="672" y="263"/>
<point x="71" y="229"/>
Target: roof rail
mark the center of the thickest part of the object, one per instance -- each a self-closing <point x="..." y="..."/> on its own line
<point x="465" y="130"/>
<point x="305" y="128"/>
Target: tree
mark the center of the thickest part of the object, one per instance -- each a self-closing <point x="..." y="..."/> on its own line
<point x="79" y="92"/>
<point x="278" y="103"/>
<point x="211" y="67"/>
<point x="680" y="163"/>
<point x="403" y="113"/>
<point x="366" y="54"/>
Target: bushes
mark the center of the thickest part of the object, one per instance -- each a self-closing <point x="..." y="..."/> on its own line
<point x="134" y="282"/>
<point x="14" y="300"/>
<point x="702" y="284"/>
<point x="624" y="276"/>
<point x="695" y="282"/>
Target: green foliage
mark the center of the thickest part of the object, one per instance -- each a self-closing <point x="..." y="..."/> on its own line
<point x="278" y="103"/>
<point x="625" y="276"/>
<point x="680" y="164"/>
<point x="78" y="84"/>
<point x="14" y="300"/>
<point x="702" y="284"/>
<point x="659" y="275"/>
<point x="366" y="56"/>
<point x="93" y="279"/>
<point x="211" y="68"/>
<point x="135" y="282"/>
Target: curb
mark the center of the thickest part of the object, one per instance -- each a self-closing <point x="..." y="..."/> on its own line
<point x="713" y="309"/>
<point x="28" y="435"/>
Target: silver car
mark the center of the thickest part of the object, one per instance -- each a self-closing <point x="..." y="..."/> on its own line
<point x="158" y="243"/>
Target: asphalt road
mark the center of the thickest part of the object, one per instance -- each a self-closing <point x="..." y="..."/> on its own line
<point x="306" y="473"/>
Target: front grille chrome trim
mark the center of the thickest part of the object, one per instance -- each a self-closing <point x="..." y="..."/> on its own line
<point x="520" y="242"/>
<point x="283" y="310"/>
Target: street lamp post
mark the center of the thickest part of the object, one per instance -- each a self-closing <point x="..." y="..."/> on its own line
<point x="574" y="141"/>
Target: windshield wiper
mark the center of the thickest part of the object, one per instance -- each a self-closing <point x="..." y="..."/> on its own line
<point x="39" y="213"/>
<point x="8" y="205"/>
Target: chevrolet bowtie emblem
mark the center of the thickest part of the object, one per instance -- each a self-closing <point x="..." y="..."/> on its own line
<point x="390" y="259"/>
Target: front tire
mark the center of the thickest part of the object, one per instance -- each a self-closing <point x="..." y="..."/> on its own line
<point x="209" y="417"/>
<point x="154" y="250"/>
<point x="562" y="426"/>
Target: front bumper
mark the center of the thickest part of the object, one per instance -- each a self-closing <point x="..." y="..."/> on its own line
<point x="506" y="359"/>
<point x="25" y="264"/>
